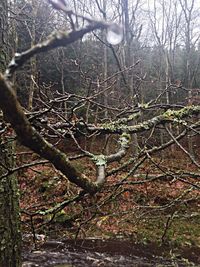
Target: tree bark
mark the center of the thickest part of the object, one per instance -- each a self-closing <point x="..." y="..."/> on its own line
<point x="10" y="238"/>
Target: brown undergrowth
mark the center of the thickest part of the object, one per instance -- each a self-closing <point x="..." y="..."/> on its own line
<point x="163" y="210"/>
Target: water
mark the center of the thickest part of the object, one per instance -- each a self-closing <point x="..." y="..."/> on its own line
<point x="114" y="34"/>
<point x="63" y="265"/>
<point x="108" y="253"/>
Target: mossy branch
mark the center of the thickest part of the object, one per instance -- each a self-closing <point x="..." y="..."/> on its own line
<point x="170" y="116"/>
<point x="31" y="138"/>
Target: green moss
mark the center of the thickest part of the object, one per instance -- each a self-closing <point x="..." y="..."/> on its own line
<point x="99" y="160"/>
<point x="78" y="166"/>
<point x="124" y="139"/>
<point x="181" y="232"/>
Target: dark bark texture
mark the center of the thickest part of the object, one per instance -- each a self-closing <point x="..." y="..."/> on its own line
<point x="9" y="211"/>
<point x="10" y="238"/>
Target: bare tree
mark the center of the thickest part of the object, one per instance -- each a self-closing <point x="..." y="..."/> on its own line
<point x="34" y="129"/>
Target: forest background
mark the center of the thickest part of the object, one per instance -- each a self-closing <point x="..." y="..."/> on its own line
<point x="110" y="108"/>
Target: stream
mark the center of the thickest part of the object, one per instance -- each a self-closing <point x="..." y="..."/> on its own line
<point x="108" y="253"/>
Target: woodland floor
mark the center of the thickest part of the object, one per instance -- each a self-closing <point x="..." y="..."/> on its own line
<point x="141" y="216"/>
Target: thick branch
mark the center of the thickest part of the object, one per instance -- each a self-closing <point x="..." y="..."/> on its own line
<point x="32" y="139"/>
<point x="101" y="161"/>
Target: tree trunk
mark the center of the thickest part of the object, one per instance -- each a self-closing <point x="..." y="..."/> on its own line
<point x="10" y="239"/>
<point x="33" y="61"/>
<point x="9" y="210"/>
<point x="128" y="61"/>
